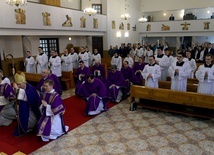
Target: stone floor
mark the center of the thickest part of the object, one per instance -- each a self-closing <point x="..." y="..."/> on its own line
<point x="120" y="131"/>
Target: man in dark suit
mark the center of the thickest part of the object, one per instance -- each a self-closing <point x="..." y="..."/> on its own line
<point x="209" y="49"/>
<point x="171" y="18"/>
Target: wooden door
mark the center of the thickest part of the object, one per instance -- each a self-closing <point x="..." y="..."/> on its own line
<point x="97" y="43"/>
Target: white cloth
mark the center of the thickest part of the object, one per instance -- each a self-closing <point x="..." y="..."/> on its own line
<point x="117" y="61"/>
<point x="67" y="63"/>
<point x="130" y="61"/>
<point x="179" y="81"/>
<point x="155" y="71"/>
<point x="30" y="65"/>
<point x="85" y="58"/>
<point x="3" y="101"/>
<point x="56" y="66"/>
<point x="21" y="95"/>
<point x="147" y="54"/>
<point x="192" y="65"/>
<point x="74" y="59"/>
<point x="205" y="85"/>
<point x="6" y="80"/>
<point x="89" y="58"/>
<point x="164" y="65"/>
<point x="42" y="62"/>
<point x="56" y="121"/>
<point x="140" y="52"/>
<point x="98" y="110"/>
<point x="96" y="57"/>
<point x="56" y="128"/>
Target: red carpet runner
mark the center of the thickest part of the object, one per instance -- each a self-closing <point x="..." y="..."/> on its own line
<point x="74" y="117"/>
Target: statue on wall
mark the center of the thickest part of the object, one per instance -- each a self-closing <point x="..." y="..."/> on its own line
<point x="82" y="22"/>
<point x="95" y="23"/>
<point x="185" y="26"/>
<point x="113" y="24"/>
<point x="20" y="16"/>
<point x="206" y="25"/>
<point x="165" y="27"/>
<point x="46" y="18"/>
<point x="128" y="26"/>
<point x="68" y="22"/>
<point x="148" y="27"/>
<point x="121" y="26"/>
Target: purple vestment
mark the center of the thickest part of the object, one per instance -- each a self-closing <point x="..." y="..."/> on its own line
<point x="129" y="76"/>
<point x="99" y="88"/>
<point x="101" y="69"/>
<point x="82" y="71"/>
<point x="117" y="79"/>
<point x="7" y="91"/>
<point x="57" y="107"/>
<point x="138" y="76"/>
<point x="57" y="85"/>
<point x="32" y="104"/>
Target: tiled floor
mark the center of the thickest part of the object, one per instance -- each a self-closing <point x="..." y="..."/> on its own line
<point x="142" y="132"/>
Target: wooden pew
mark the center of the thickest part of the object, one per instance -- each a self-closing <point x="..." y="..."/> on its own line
<point x="68" y="79"/>
<point x="189" y="81"/>
<point x="106" y="61"/>
<point x="186" y="99"/>
<point x="32" y="77"/>
<point x="167" y="85"/>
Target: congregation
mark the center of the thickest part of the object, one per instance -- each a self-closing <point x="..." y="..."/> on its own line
<point x="41" y="108"/>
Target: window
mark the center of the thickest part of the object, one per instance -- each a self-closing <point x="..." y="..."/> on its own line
<point x="49" y="44"/>
<point x="97" y="7"/>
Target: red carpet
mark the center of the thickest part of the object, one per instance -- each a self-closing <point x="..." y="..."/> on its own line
<point x="74" y="117"/>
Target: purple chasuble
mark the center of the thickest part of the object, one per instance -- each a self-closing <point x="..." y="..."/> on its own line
<point x="86" y="71"/>
<point x="32" y="104"/>
<point x="57" y="107"/>
<point x="7" y="91"/>
<point x="98" y="87"/>
<point x="117" y="79"/>
<point x="138" y="76"/>
<point x="52" y="77"/>
<point x="102" y="72"/>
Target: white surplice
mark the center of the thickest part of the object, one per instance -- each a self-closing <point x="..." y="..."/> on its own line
<point x="42" y="62"/>
<point x="67" y="63"/>
<point x="206" y="84"/>
<point x="56" y="66"/>
<point x="30" y="65"/>
<point x="179" y="81"/>
<point x="155" y="71"/>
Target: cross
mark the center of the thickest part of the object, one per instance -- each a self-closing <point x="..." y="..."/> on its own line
<point x="185" y="26"/>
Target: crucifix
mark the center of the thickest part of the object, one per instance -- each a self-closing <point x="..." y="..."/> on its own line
<point x="185" y="26"/>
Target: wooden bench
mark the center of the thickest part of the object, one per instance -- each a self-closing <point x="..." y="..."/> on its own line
<point x="107" y="62"/>
<point x="167" y="85"/>
<point x="32" y="77"/>
<point x="68" y="79"/>
<point x="189" y="81"/>
<point x="170" y="97"/>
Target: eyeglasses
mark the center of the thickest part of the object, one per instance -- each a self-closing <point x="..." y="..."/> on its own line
<point x="179" y="56"/>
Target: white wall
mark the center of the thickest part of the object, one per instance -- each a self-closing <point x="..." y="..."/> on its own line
<point x="34" y="20"/>
<point x="160" y="5"/>
<point x="13" y="44"/>
<point x="115" y="9"/>
<point x="74" y="4"/>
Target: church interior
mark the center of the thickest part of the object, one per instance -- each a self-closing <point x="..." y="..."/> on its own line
<point x="123" y="129"/>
